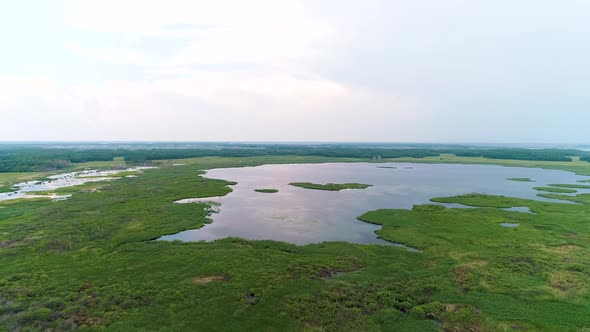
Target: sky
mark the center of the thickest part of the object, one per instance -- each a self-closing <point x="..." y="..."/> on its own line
<point x="502" y="71"/>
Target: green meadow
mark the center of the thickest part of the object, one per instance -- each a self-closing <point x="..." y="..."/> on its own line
<point x="92" y="263"/>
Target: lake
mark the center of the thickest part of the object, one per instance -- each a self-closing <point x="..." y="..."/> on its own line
<point x="303" y="216"/>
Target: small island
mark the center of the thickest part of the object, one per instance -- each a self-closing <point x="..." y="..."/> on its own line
<point x="571" y="186"/>
<point x="330" y="186"/>
<point x="521" y="179"/>
<point x="556" y="190"/>
<point x="266" y="191"/>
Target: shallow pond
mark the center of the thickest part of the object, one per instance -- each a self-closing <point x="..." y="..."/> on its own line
<point x="28" y="189"/>
<point x="304" y="216"/>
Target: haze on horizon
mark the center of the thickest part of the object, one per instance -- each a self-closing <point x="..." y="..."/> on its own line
<point x="302" y="70"/>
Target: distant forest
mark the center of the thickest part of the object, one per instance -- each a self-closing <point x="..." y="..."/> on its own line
<point x="22" y="158"/>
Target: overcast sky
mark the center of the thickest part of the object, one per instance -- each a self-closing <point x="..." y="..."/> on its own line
<point x="297" y="70"/>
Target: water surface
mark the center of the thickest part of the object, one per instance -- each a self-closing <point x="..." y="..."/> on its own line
<point x="64" y="180"/>
<point x="305" y="216"/>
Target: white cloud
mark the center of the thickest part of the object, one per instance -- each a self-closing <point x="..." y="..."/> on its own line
<point x="297" y="70"/>
<point x="212" y="106"/>
<point x="16" y="88"/>
<point x="254" y="32"/>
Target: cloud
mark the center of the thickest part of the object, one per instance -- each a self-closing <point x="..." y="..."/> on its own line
<point x="14" y="89"/>
<point x="262" y="32"/>
<point x="420" y="70"/>
<point x="205" y="106"/>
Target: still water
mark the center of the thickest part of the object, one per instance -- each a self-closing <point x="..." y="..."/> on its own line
<point x="64" y="180"/>
<point x="305" y="216"/>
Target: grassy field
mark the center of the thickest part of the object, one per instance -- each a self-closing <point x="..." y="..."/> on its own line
<point x="7" y="180"/>
<point x="329" y="186"/>
<point x="90" y="263"/>
<point x="116" y="162"/>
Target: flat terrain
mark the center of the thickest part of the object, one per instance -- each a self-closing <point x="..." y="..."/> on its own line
<point x="89" y="262"/>
<point x="9" y="179"/>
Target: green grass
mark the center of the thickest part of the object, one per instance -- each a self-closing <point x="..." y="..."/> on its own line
<point x="521" y="179"/>
<point x="7" y="180"/>
<point x="330" y="186"/>
<point x="556" y="190"/>
<point x="86" y="187"/>
<point x="266" y="191"/>
<point x="5" y="189"/>
<point x="117" y="162"/>
<point x="89" y="263"/>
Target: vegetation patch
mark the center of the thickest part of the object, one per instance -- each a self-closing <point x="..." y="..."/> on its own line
<point x="521" y="179"/>
<point x="564" y="249"/>
<point x="5" y="189"/>
<point x="556" y="190"/>
<point x="86" y="187"/>
<point x="330" y="186"/>
<point x="348" y="306"/>
<point x="206" y="280"/>
<point x="572" y="186"/>
<point x="89" y="263"/>
<point x="266" y="191"/>
<point x="568" y="284"/>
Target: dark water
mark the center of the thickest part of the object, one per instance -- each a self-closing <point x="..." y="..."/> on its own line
<point x="304" y="216"/>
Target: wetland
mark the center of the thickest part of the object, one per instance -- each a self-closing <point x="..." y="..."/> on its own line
<point x="468" y="250"/>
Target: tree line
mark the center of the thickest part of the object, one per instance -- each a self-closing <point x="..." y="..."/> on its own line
<point x="29" y="159"/>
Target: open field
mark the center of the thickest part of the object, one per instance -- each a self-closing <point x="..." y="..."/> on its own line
<point x="90" y="262"/>
<point x="116" y="162"/>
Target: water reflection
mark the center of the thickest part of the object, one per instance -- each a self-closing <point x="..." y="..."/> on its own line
<point x="304" y="216"/>
<point x="28" y="189"/>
